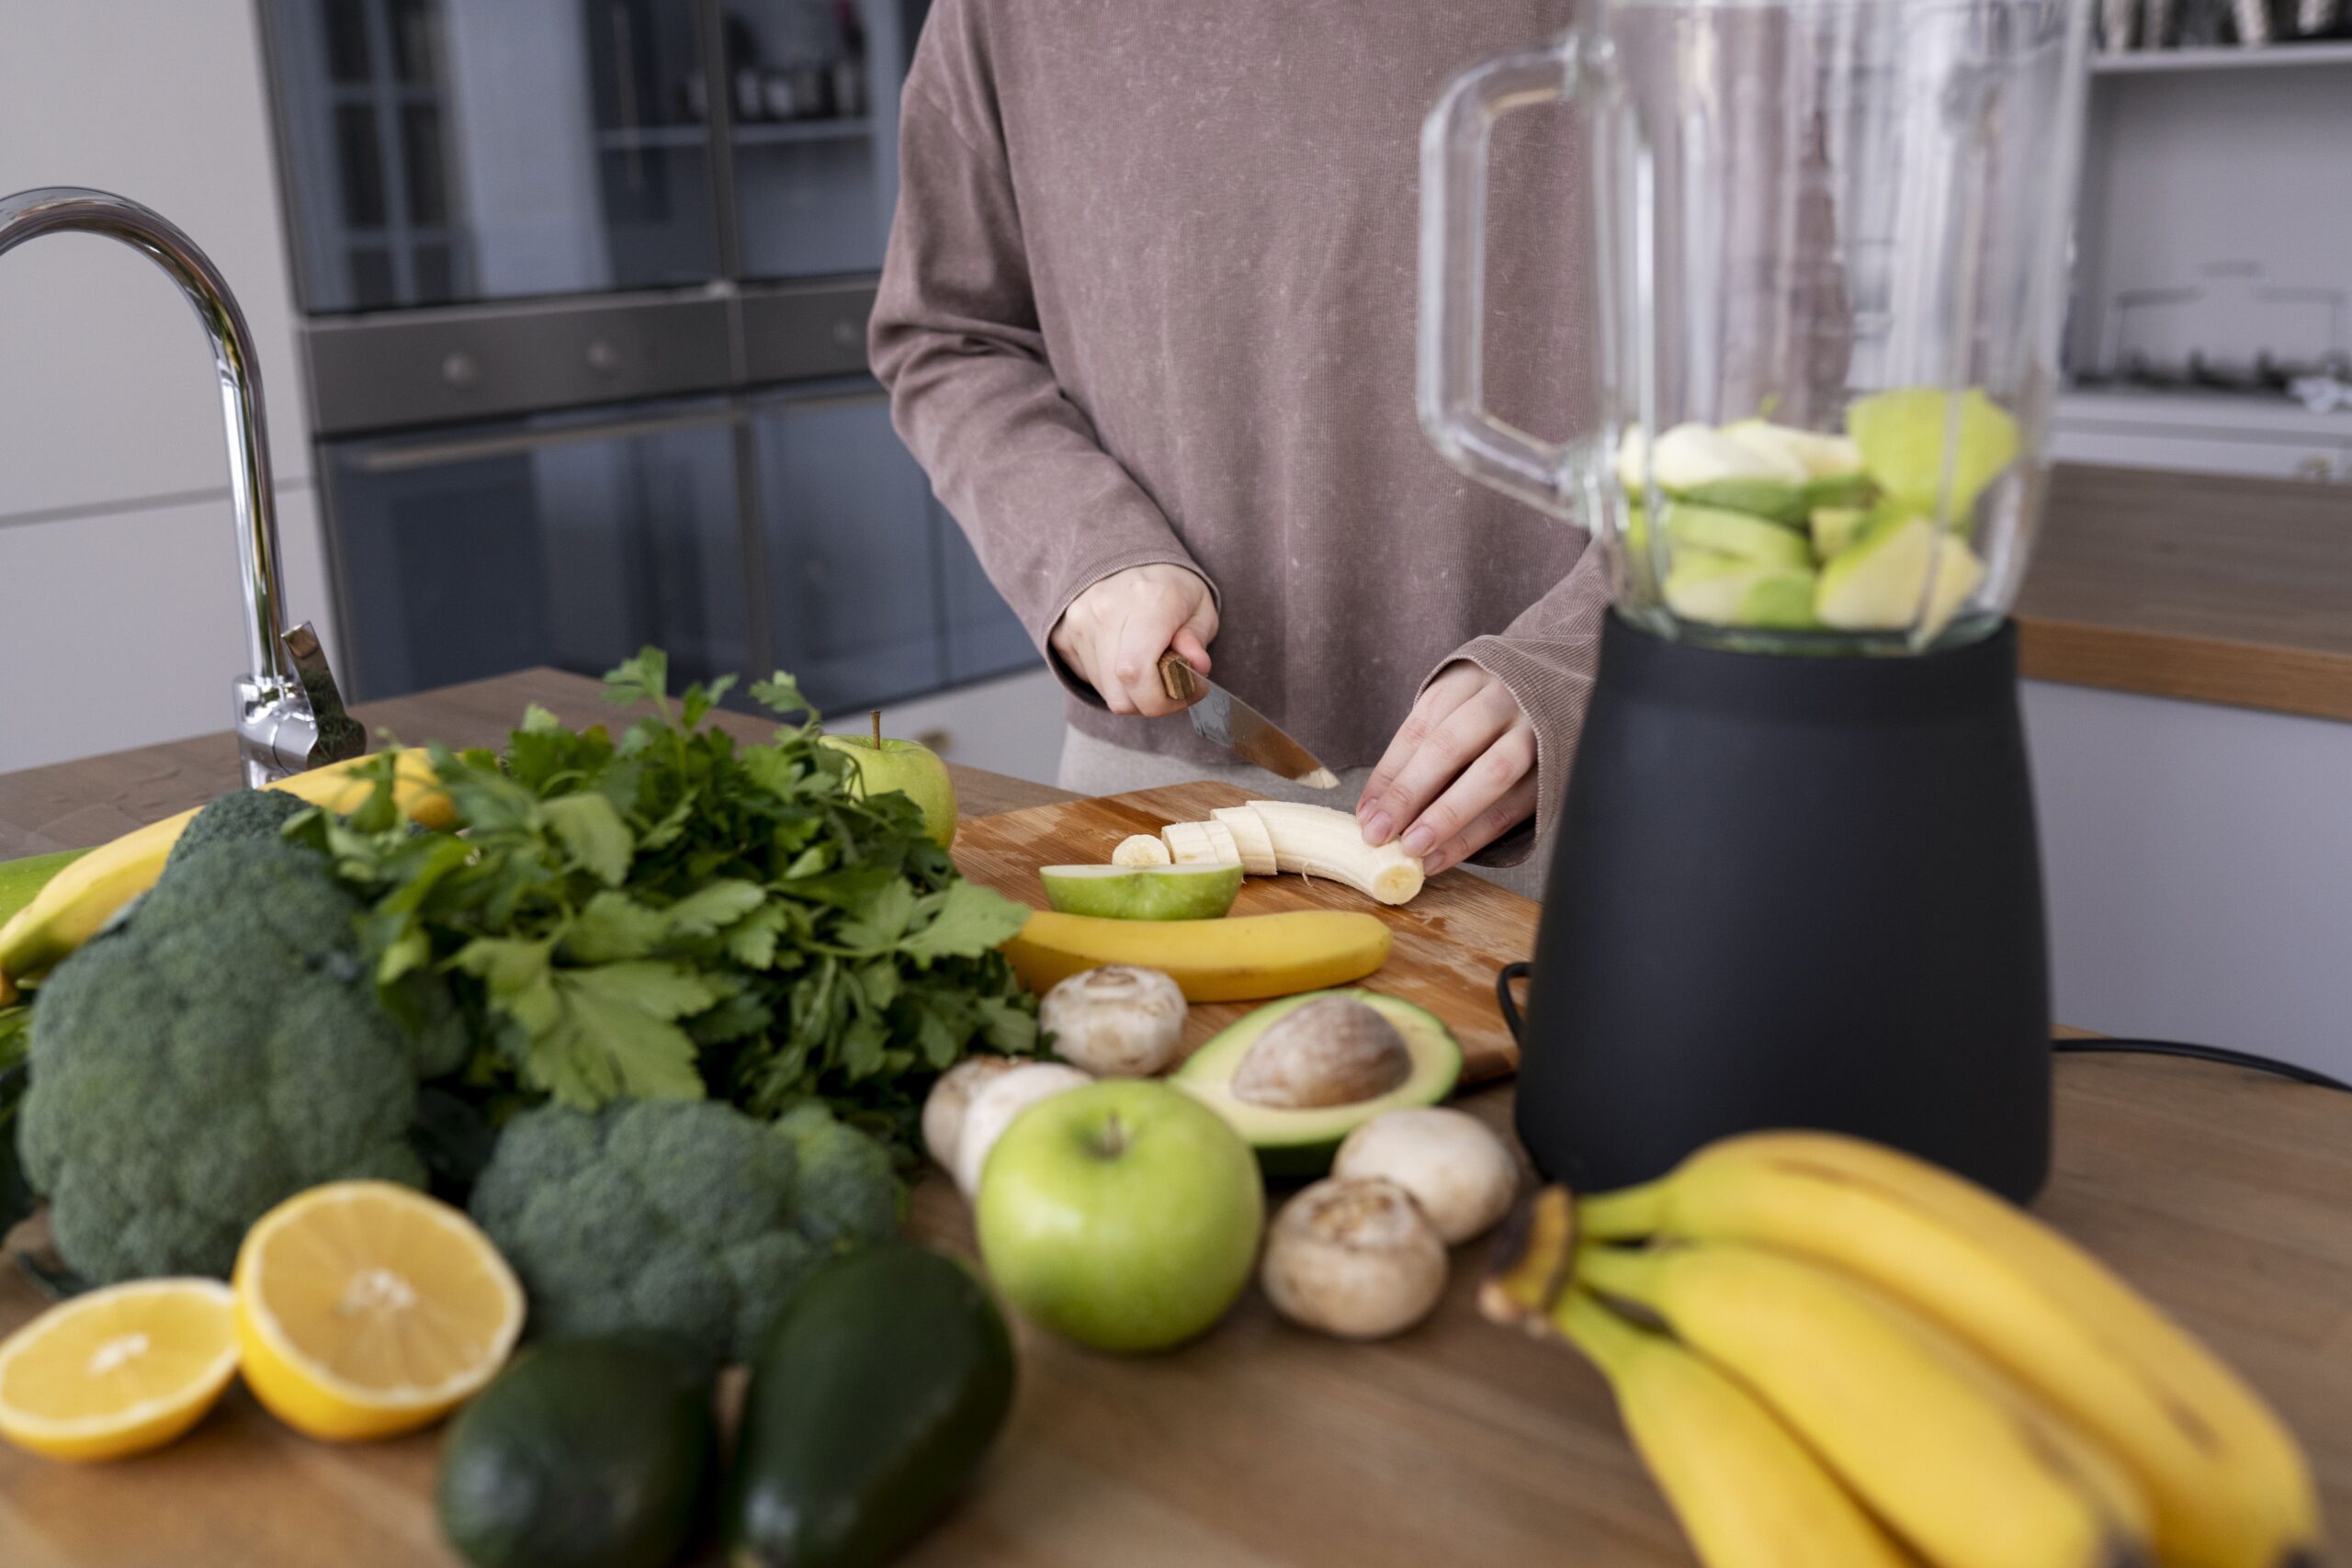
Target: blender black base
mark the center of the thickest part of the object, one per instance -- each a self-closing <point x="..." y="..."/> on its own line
<point x="1793" y="892"/>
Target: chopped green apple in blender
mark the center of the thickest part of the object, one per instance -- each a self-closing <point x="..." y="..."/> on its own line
<point x="1698" y="463"/>
<point x="1723" y="590"/>
<point x="1902" y="436"/>
<point x="1877" y="582"/>
<point x="1834" y="527"/>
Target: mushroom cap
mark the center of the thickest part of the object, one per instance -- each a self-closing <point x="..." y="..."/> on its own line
<point x="1353" y="1257"/>
<point x="951" y="1096"/>
<point x="1461" y="1174"/>
<point x="1118" y="1020"/>
<point x="999" y="1102"/>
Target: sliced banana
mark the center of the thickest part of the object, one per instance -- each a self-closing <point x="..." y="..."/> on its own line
<point x="1201" y="843"/>
<point x="1317" y="840"/>
<point x="1250" y="835"/>
<point x="1140" y="850"/>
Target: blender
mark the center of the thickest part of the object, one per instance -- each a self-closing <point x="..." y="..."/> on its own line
<point x="1795" y="881"/>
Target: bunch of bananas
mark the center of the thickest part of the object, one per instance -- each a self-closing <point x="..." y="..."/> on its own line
<point x="1830" y="1354"/>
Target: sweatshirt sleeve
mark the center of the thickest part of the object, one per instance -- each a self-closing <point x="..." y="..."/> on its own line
<point x="955" y="337"/>
<point x="1546" y="656"/>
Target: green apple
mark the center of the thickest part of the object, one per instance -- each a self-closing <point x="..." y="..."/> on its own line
<point x="1821" y="456"/>
<point x="1723" y="590"/>
<point x="1143" y="893"/>
<point x="1877" y="582"/>
<point x="1710" y="530"/>
<point x="1834" y="527"/>
<point x="1902" y="436"/>
<point x="1125" y="1215"/>
<point x="909" y="767"/>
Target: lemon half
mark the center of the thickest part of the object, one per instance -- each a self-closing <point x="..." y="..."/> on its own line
<point x="364" y="1309"/>
<point x="120" y="1371"/>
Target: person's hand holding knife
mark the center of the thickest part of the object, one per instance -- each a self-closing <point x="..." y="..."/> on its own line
<point x="1459" y="773"/>
<point x="1113" y="634"/>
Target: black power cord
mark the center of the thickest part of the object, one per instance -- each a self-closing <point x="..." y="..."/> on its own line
<point x="2103" y="1046"/>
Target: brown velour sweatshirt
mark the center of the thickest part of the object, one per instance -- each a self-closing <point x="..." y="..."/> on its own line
<point x="1150" y="299"/>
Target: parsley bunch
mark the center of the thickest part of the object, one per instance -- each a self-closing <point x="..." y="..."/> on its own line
<point x="670" y="915"/>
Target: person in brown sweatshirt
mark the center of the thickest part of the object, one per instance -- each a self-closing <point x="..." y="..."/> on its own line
<point x="1148" y="321"/>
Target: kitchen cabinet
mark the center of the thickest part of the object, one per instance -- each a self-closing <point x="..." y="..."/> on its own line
<point x="855" y="589"/>
<point x="568" y="540"/>
<point x="984" y="637"/>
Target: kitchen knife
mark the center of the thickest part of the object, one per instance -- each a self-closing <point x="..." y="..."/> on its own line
<point x="1220" y="716"/>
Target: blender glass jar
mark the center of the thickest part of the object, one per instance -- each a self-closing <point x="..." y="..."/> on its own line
<point x="1830" y="245"/>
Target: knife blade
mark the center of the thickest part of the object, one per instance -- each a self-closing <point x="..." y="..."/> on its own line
<point x="1225" y="719"/>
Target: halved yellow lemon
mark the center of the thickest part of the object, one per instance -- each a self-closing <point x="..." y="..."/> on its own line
<point x="364" y="1309"/>
<point x="118" y="1371"/>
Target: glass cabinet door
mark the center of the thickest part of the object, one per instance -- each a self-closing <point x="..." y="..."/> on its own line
<point x="984" y="637"/>
<point x="440" y="151"/>
<point x="814" y="101"/>
<point x="558" y="540"/>
<point x="853" y="560"/>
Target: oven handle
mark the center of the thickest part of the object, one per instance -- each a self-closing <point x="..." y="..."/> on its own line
<point x="472" y="449"/>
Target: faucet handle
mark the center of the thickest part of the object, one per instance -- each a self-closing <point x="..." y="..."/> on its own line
<point x="338" y="736"/>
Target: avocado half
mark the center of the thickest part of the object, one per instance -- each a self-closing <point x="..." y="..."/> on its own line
<point x="1301" y="1142"/>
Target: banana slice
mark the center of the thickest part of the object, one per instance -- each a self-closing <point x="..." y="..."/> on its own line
<point x="1317" y="840"/>
<point x="1139" y="849"/>
<point x="1201" y="843"/>
<point x="1250" y="835"/>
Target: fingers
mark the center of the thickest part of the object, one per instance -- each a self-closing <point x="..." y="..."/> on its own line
<point x="1482" y="825"/>
<point x="1436" y="703"/>
<point x="1189" y="647"/>
<point x="1448" y="748"/>
<point x="1135" y="663"/>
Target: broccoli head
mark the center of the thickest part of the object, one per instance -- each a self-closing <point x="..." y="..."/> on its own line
<point x="239" y="814"/>
<point x="684" y="1217"/>
<point x="847" y="1191"/>
<point x="217" y="1049"/>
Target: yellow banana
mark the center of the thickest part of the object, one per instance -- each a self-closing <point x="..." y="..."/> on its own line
<point x="2227" y="1484"/>
<point x="1955" y="1458"/>
<point x="1747" y="1492"/>
<point x="79" y="900"/>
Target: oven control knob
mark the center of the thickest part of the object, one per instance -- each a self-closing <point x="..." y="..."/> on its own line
<point x="460" y="368"/>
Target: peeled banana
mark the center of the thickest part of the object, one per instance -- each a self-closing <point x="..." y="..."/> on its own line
<point x="1749" y="1493"/>
<point x="1957" y="1460"/>
<point x="1201" y="843"/>
<point x="1317" y="841"/>
<point x="83" y="897"/>
<point x="2227" y="1484"/>
<point x="1250" y="836"/>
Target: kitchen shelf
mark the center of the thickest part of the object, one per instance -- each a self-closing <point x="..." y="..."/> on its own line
<point x="766" y="135"/>
<point x="649" y="136"/>
<point x="2275" y="56"/>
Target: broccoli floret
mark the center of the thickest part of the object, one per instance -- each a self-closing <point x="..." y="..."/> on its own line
<point x="239" y="815"/>
<point x="219" y="1049"/>
<point x="682" y="1217"/>
<point x="847" y="1191"/>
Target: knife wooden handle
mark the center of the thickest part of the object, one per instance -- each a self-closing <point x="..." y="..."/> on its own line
<point x="1178" y="678"/>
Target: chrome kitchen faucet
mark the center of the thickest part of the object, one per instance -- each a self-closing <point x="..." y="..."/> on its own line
<point x="291" y="716"/>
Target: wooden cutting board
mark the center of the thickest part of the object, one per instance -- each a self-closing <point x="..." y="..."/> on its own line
<point x="1448" y="940"/>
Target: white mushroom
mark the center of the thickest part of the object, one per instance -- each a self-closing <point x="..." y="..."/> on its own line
<point x="1141" y="850"/>
<point x="943" y="1111"/>
<point x="1118" y="1020"/>
<point x="1355" y="1258"/>
<point x="997" y="1102"/>
<point x="1332" y="1051"/>
<point x="1456" y="1169"/>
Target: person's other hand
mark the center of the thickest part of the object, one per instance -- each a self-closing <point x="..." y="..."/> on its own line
<point x="1460" y="774"/>
<point x="1114" y="634"/>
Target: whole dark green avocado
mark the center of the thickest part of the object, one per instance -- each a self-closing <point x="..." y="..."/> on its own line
<point x="877" y="1392"/>
<point x="585" y="1453"/>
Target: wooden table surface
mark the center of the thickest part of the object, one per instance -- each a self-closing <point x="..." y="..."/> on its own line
<point x="2210" y="588"/>
<point x="2226" y="1196"/>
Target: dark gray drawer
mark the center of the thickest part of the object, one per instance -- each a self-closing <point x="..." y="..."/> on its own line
<point x="387" y="372"/>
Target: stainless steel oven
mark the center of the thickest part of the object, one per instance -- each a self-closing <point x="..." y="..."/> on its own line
<point x="584" y="287"/>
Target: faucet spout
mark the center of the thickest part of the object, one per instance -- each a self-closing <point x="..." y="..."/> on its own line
<point x="290" y="713"/>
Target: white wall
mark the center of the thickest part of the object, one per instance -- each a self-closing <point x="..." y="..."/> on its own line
<point x="117" y="565"/>
<point x="2199" y="861"/>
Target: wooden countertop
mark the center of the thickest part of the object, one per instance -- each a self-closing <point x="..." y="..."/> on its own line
<point x="2213" y="589"/>
<point x="2219" y="1193"/>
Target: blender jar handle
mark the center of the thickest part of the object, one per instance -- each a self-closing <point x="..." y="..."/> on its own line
<point x="1454" y="140"/>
